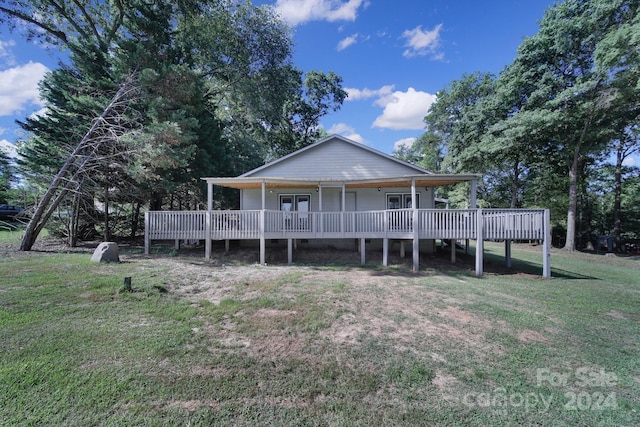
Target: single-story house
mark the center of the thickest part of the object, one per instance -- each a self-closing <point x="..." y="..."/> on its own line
<point x="342" y="193"/>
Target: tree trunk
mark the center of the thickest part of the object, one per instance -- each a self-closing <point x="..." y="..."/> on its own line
<point x="107" y="231"/>
<point x="515" y="184"/>
<point x="74" y="218"/>
<point x="570" y="242"/>
<point x="617" y="199"/>
<point x="75" y="164"/>
<point x="134" y="220"/>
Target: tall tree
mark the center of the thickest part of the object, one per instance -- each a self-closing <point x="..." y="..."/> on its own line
<point x="6" y="176"/>
<point x="570" y="98"/>
<point x="452" y="118"/>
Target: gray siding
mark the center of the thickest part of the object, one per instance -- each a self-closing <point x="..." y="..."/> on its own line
<point x="336" y="159"/>
<point x="367" y="199"/>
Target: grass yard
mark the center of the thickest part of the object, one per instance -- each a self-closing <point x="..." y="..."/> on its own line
<point x="229" y="342"/>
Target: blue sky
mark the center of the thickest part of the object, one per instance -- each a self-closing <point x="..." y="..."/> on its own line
<point x="393" y="56"/>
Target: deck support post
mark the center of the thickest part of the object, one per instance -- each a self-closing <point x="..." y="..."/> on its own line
<point x="320" y="217"/>
<point x="507" y="253"/>
<point x="226" y="245"/>
<point x="290" y="251"/>
<point x="479" y="242"/>
<point x="416" y="228"/>
<point x="402" y="251"/>
<point x="176" y="244"/>
<point x="207" y="240"/>
<point x="344" y="202"/>
<point x="385" y="252"/>
<point x="147" y="241"/>
<point x="363" y="251"/>
<point x="453" y="250"/>
<point x="263" y="258"/>
<point x="546" y="246"/>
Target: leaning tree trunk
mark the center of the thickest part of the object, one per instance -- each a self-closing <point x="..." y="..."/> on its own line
<point x="74" y="218"/>
<point x="84" y="153"/>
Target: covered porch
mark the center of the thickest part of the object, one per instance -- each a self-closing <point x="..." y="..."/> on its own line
<point x="408" y="224"/>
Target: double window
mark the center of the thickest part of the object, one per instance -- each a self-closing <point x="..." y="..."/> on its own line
<point x="401" y="201"/>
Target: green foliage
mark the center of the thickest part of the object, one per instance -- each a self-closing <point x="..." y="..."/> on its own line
<point x="7" y="177"/>
<point x="566" y="103"/>
<point x="217" y="94"/>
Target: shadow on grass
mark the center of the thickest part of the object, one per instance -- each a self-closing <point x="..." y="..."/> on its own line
<point x="349" y="260"/>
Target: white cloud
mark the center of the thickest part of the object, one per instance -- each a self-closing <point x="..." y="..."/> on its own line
<point x="347" y="131"/>
<point x="297" y="12"/>
<point x="404" y="143"/>
<point x="404" y="110"/>
<point x="358" y="94"/>
<point x="19" y="86"/>
<point x="630" y="161"/>
<point x="421" y="43"/>
<point x="5" y="52"/>
<point x="347" y="41"/>
<point x="8" y="148"/>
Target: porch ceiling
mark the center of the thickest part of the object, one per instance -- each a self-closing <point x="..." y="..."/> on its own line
<point x="427" y="180"/>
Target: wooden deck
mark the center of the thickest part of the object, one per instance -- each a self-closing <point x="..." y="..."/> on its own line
<point x="476" y="224"/>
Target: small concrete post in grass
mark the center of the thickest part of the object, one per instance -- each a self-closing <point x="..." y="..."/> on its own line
<point x="127" y="284"/>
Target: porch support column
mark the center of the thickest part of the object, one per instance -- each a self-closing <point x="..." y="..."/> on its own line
<point x="546" y="246"/>
<point x="344" y="207"/>
<point x="320" y="217"/>
<point x="507" y="253"/>
<point x="290" y="251"/>
<point x="262" y="222"/>
<point x="479" y="242"/>
<point x="416" y="227"/>
<point x="147" y="240"/>
<point x="363" y="259"/>
<point x="207" y="242"/>
<point x="385" y="251"/>
<point x="453" y="250"/>
<point x="474" y="193"/>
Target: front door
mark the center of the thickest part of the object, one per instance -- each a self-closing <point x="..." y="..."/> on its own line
<point x="296" y="208"/>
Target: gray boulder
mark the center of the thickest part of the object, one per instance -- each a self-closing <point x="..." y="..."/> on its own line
<point x="106" y="252"/>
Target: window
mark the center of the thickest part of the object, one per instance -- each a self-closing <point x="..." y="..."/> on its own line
<point x="401" y="201"/>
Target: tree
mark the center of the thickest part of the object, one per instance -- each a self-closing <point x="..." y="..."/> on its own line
<point x="452" y="118"/>
<point x="426" y="151"/>
<point x="624" y="147"/>
<point x="320" y="94"/>
<point x="572" y="101"/>
<point x="7" y="176"/>
<point x="216" y="84"/>
<point x="106" y="129"/>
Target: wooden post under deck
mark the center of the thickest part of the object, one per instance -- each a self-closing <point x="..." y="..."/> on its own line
<point x="479" y="243"/>
<point x="207" y="241"/>
<point x="546" y="246"/>
<point x="416" y="227"/>
<point x="385" y="252"/>
<point x="262" y="226"/>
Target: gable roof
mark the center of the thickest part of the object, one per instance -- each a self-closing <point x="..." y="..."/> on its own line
<point x="336" y="158"/>
<point x="336" y="161"/>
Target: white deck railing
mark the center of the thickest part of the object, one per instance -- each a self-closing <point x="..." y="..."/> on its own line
<point x="498" y="224"/>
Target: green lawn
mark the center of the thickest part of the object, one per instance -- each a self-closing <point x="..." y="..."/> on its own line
<point x="219" y="343"/>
